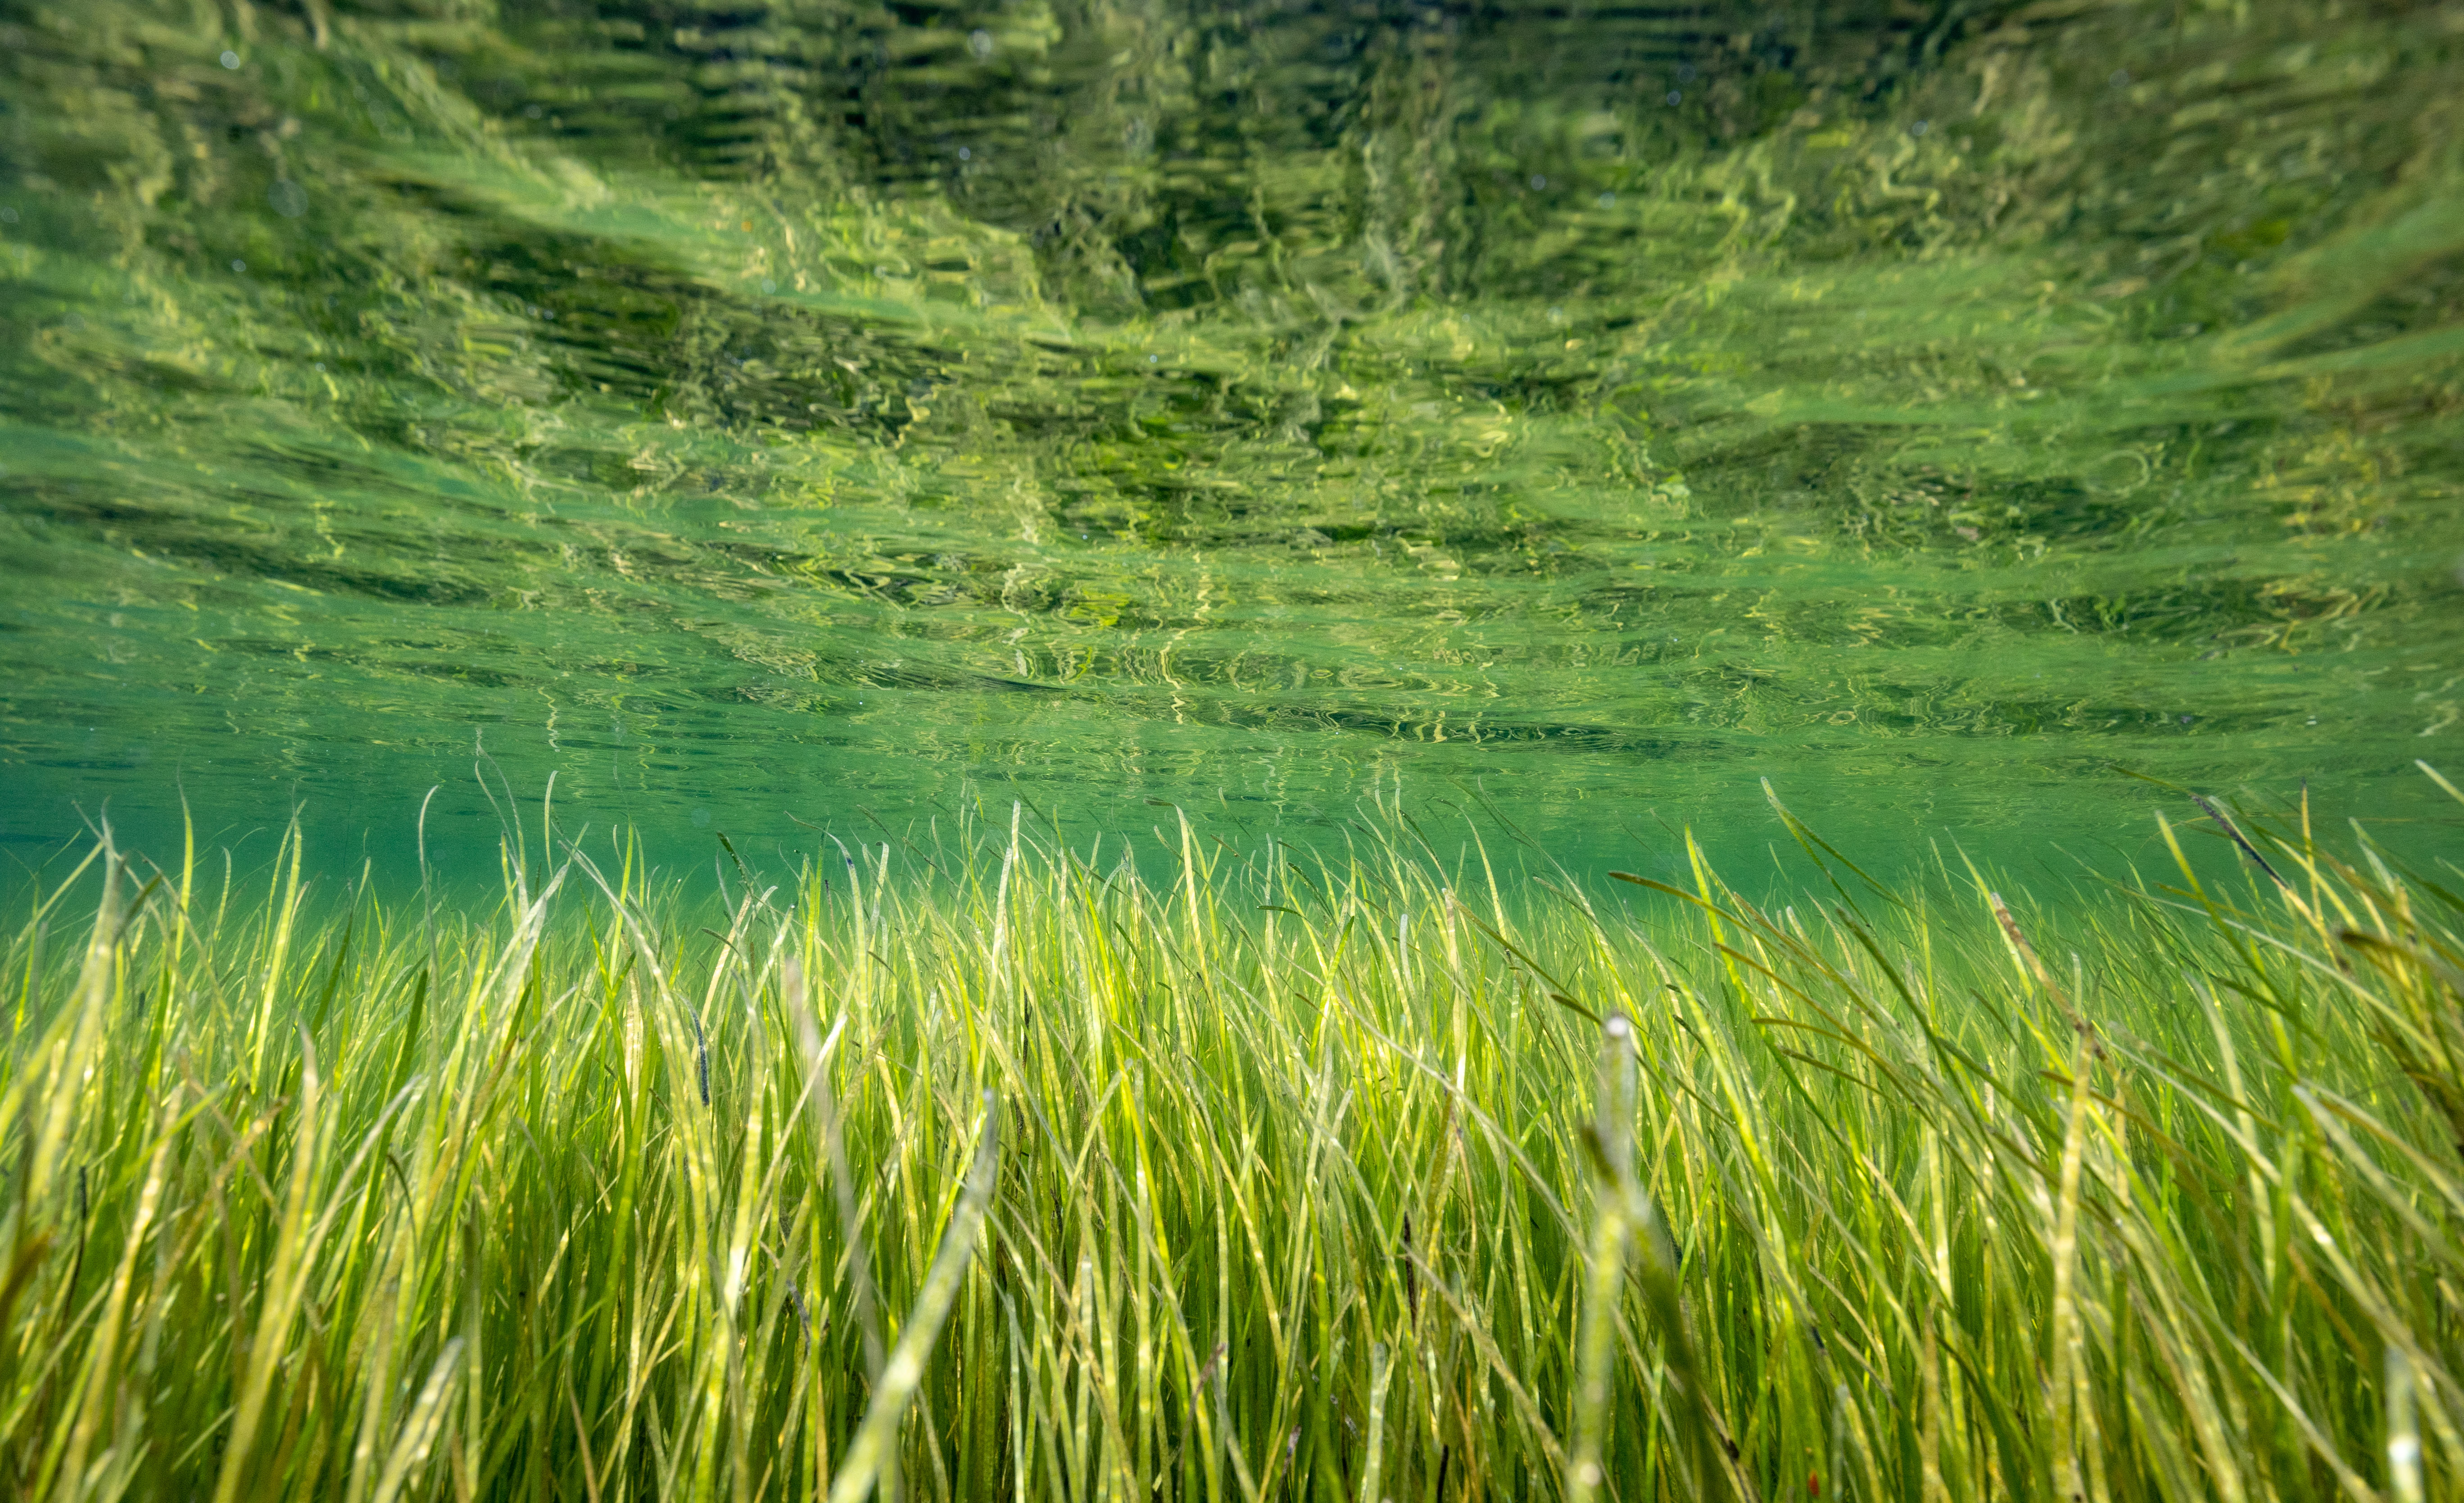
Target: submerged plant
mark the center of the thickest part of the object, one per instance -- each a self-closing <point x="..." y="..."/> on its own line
<point x="1376" y="1176"/>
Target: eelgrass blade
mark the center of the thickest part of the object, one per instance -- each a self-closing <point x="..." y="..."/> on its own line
<point x="869" y="1453"/>
<point x="2403" y="1429"/>
<point x="1381" y="1374"/>
<point x="420" y="1427"/>
<point x="1611" y="1139"/>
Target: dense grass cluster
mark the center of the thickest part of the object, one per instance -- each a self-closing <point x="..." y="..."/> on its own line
<point x="995" y="1169"/>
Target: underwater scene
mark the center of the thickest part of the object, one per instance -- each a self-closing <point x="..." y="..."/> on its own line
<point x="1076" y="751"/>
<point x="752" y="416"/>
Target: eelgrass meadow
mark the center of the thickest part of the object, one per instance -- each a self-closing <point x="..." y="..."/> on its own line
<point x="1263" y="526"/>
<point x="987" y="1166"/>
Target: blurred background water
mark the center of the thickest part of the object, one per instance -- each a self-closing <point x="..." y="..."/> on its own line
<point x="765" y="411"/>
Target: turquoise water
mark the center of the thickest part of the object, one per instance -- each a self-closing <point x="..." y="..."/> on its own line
<point x="795" y="414"/>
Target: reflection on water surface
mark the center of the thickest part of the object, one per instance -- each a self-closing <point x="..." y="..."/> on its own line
<point x="747" y="409"/>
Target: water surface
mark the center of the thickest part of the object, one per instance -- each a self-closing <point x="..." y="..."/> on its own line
<point x="807" y="408"/>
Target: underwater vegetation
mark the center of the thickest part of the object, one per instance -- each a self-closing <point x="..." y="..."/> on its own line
<point x="985" y="1167"/>
<point x="724" y="407"/>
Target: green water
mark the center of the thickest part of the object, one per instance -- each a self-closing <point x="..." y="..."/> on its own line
<point x="801" y="407"/>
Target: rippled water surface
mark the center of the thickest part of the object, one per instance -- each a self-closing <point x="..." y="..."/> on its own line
<point x="804" y="407"/>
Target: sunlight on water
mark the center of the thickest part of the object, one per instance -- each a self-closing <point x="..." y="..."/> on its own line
<point x="752" y="414"/>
